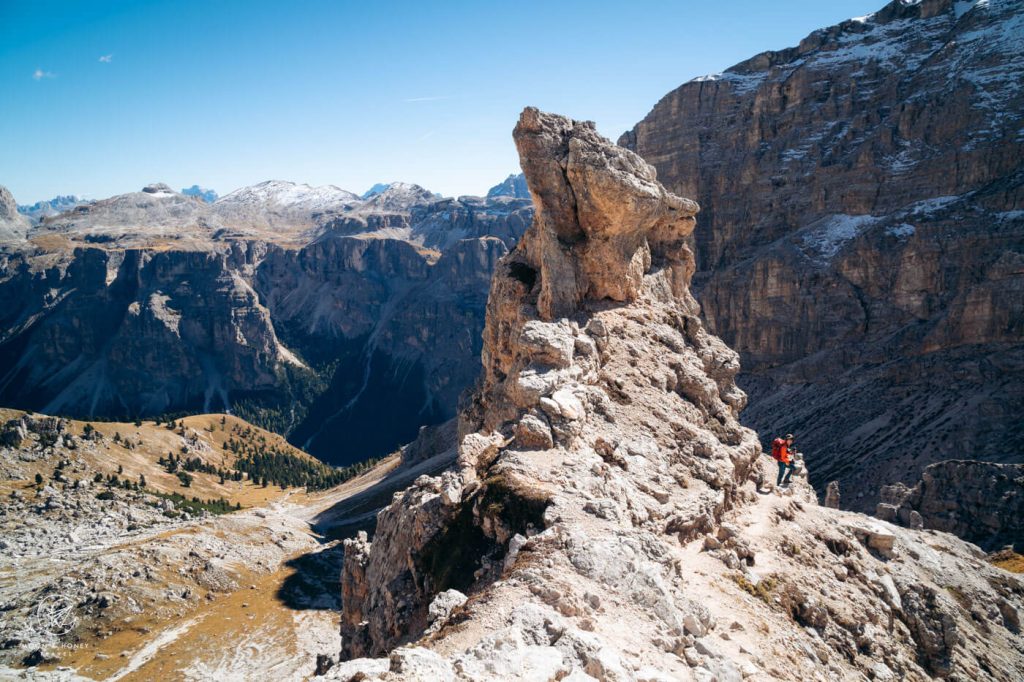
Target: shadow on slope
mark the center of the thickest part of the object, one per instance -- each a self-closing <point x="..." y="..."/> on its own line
<point x="315" y="583"/>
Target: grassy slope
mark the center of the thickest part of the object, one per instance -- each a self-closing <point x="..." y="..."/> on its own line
<point x="154" y="442"/>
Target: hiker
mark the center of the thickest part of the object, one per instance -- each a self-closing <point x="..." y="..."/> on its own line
<point x="783" y="454"/>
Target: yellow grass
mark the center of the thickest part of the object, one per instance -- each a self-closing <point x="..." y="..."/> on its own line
<point x="154" y="442"/>
<point x="1008" y="560"/>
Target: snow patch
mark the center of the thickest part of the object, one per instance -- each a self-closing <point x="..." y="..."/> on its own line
<point x="827" y="237"/>
<point x="291" y="195"/>
<point x="741" y="82"/>
<point x="933" y="205"/>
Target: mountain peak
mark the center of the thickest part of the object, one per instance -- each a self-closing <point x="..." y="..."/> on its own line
<point x="512" y="186"/>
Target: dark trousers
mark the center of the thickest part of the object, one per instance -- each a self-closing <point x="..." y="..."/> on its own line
<point x="785" y="471"/>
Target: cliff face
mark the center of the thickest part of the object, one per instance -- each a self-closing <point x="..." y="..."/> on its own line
<point x="13" y="225"/>
<point x="862" y="236"/>
<point x="606" y="518"/>
<point x="347" y="333"/>
<point x="981" y="502"/>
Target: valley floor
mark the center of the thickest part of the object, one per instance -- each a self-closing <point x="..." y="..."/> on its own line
<point x="253" y="594"/>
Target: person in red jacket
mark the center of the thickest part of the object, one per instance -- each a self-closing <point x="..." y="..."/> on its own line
<point x="782" y="453"/>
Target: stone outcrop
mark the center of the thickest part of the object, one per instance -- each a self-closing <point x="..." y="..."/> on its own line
<point x="13" y="225"/>
<point x="592" y="302"/>
<point x="981" y="502"/>
<point x="832" y="496"/>
<point x="862" y="236"/>
<point x="345" y="325"/>
<point x="603" y="521"/>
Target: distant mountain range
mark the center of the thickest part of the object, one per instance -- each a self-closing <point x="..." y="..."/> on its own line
<point x="51" y="207"/>
<point x="342" y="322"/>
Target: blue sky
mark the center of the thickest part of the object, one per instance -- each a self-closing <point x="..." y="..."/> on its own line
<point x="102" y="97"/>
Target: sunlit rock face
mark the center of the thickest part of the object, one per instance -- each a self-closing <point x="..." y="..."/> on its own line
<point x="861" y="242"/>
<point x="13" y="225"/>
<point x="608" y="518"/>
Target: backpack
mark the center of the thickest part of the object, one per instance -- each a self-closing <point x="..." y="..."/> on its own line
<point x="777" y="449"/>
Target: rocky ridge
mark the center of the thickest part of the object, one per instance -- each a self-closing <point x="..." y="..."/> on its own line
<point x="982" y="502"/>
<point x="605" y="520"/>
<point x="862" y="235"/>
<point x="45" y="209"/>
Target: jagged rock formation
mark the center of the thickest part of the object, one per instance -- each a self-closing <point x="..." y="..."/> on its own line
<point x="602" y="520"/>
<point x="306" y="309"/>
<point x="832" y="495"/>
<point x="981" y="502"/>
<point x="512" y="186"/>
<point x="13" y="225"/>
<point x="862" y="235"/>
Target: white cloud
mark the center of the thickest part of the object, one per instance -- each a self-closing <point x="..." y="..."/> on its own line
<point x="39" y="74"/>
<point x="427" y="99"/>
<point x="107" y="58"/>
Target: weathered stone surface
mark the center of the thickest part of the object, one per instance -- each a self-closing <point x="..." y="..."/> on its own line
<point x="13" y="225"/>
<point x="533" y="365"/>
<point x="862" y="235"/>
<point x="619" y="552"/>
<point x="981" y="502"/>
<point x="832" y="495"/>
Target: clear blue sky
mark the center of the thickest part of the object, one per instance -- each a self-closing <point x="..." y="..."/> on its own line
<point x="225" y="93"/>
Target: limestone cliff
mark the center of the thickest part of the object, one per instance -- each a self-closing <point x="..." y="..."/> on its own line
<point x="862" y="235"/>
<point x="606" y="517"/>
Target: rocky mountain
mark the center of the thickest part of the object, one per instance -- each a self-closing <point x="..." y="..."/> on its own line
<point x="981" y="502"/>
<point x="207" y="195"/>
<point x="344" y="323"/>
<point x="286" y="201"/>
<point x="13" y="225"/>
<point x="607" y="517"/>
<point x="862" y="236"/>
<point x="46" y="209"/>
<point x="513" y="186"/>
<point x="376" y="189"/>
